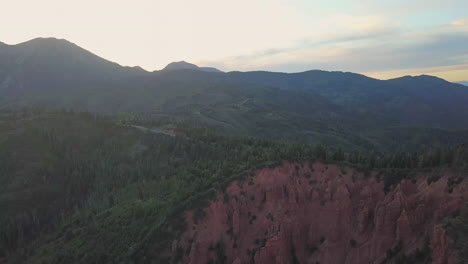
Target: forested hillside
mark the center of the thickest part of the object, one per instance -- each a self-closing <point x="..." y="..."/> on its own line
<point x="84" y="188"/>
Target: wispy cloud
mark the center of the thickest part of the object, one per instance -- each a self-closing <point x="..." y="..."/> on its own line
<point x="371" y="44"/>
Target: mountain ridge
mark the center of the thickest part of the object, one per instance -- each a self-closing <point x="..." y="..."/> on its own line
<point x="53" y="40"/>
<point x="318" y="105"/>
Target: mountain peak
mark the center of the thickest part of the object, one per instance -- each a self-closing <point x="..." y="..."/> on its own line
<point x="183" y="65"/>
<point x="423" y="78"/>
<point x="52" y="47"/>
<point x="46" y="42"/>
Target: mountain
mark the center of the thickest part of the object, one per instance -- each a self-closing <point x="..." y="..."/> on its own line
<point x="101" y="163"/>
<point x="464" y="83"/>
<point x="422" y="100"/>
<point x="342" y="108"/>
<point x="48" y="63"/>
<point x="182" y="65"/>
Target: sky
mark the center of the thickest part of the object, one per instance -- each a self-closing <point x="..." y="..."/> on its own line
<point x="380" y="38"/>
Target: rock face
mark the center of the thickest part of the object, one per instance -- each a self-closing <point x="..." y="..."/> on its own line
<point x="317" y="213"/>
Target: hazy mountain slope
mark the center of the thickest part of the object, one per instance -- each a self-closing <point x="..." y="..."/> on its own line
<point x="93" y="84"/>
<point x="235" y="109"/>
<point x="41" y="65"/>
<point x="50" y="64"/>
<point x="334" y="107"/>
<point x="464" y="83"/>
<point x="428" y="100"/>
<point x="423" y="100"/>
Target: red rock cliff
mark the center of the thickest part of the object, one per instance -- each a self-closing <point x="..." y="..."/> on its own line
<point x="317" y="213"/>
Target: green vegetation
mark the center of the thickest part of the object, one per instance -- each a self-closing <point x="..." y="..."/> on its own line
<point x="83" y="188"/>
<point x="457" y="229"/>
<point x="419" y="256"/>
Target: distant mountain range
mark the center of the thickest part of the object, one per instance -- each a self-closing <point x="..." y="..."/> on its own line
<point x="318" y="106"/>
<point x="464" y="83"/>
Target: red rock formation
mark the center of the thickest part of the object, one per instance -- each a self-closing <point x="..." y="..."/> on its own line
<point x="317" y="213"/>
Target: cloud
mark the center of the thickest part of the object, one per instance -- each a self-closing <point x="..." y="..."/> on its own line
<point x="371" y="44"/>
<point x="358" y="24"/>
<point x="333" y="37"/>
<point x="460" y="23"/>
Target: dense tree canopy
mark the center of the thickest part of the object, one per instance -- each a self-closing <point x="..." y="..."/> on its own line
<point x="81" y="187"/>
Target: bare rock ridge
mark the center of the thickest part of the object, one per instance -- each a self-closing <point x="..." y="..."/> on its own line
<point x="317" y="213"/>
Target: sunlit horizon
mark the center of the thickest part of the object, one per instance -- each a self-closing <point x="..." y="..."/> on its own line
<point x="375" y="38"/>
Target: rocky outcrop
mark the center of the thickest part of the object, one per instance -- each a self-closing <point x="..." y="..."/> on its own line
<point x="318" y="213"/>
